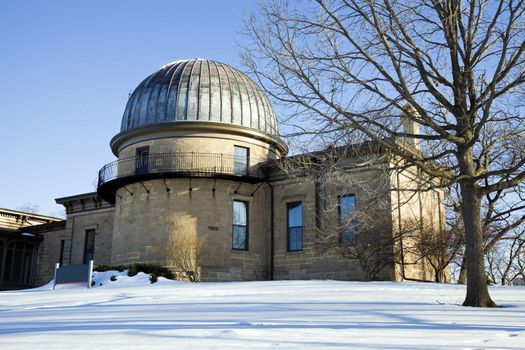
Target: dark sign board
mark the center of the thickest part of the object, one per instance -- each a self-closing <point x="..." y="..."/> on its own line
<point x="74" y="273"/>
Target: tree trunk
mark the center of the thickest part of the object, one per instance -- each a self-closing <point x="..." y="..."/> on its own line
<point x="462" y="279"/>
<point x="477" y="290"/>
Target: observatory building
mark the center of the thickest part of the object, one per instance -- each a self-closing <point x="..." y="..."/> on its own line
<point x="199" y="157"/>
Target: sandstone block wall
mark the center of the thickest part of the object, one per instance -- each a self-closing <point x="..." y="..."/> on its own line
<point x="143" y="224"/>
<point x="101" y="220"/>
<point x="315" y="261"/>
<point x="202" y="143"/>
<point x="48" y="255"/>
<point x="415" y="206"/>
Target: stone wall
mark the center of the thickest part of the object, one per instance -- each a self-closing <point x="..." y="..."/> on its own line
<point x="202" y="143"/>
<point x="140" y="225"/>
<point x="101" y="220"/>
<point x="415" y="206"/>
<point x="144" y="223"/>
<point x="322" y="256"/>
<point x="47" y="256"/>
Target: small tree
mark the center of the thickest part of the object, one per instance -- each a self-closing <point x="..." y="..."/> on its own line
<point x="439" y="248"/>
<point x="183" y="250"/>
<point x="505" y="261"/>
<point x="375" y="251"/>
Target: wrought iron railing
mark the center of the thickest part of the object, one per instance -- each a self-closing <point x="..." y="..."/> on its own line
<point x="183" y="164"/>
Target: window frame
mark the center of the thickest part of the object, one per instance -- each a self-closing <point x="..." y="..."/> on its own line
<point x="61" y="256"/>
<point x="246" y="169"/>
<point x="20" y="259"/>
<point x="87" y="231"/>
<point x="139" y="160"/>
<point x="341" y="228"/>
<point x="289" y="206"/>
<point x="247" y="231"/>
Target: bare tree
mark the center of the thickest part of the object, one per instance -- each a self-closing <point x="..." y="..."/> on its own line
<point x="505" y="260"/>
<point x="373" y="252"/>
<point x="503" y="212"/>
<point x="182" y="252"/>
<point x="375" y="234"/>
<point x="454" y="69"/>
<point x="437" y="247"/>
<point x="372" y="244"/>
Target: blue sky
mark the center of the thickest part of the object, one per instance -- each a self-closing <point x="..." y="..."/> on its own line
<point x="66" y="69"/>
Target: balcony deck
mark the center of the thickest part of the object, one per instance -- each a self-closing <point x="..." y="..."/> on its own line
<point x="125" y="171"/>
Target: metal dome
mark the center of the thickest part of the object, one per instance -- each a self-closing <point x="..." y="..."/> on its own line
<point x="199" y="90"/>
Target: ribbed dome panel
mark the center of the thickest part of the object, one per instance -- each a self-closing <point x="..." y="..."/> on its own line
<point x="199" y="90"/>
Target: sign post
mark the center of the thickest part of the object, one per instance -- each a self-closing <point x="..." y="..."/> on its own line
<point x="90" y="276"/>
<point x="74" y="273"/>
<point x="57" y="265"/>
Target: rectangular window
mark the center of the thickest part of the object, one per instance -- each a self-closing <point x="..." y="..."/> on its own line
<point x="142" y="160"/>
<point x="1" y="260"/>
<point x="347" y="220"/>
<point x="61" y="258"/>
<point x="240" y="226"/>
<point x="89" y="246"/>
<point x="241" y="160"/>
<point x="295" y="227"/>
<point x="19" y="263"/>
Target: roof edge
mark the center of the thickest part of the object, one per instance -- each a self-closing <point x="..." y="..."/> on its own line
<point x="190" y="125"/>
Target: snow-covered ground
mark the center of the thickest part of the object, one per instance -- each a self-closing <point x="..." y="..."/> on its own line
<point x="130" y="313"/>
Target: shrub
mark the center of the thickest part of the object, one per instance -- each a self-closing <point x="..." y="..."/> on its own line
<point x="104" y="268"/>
<point x="154" y="271"/>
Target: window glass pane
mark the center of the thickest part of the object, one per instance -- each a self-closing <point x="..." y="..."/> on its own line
<point x="240" y="213"/>
<point x="240" y="225"/>
<point x="295" y="214"/>
<point x="347" y="219"/>
<point x="346" y="207"/>
<point x="295" y="226"/>
<point x="240" y="160"/>
<point x="295" y="238"/>
<point x="142" y="160"/>
<point x="17" y="266"/>
<point x="8" y="263"/>
<point x="27" y="266"/>
<point x="241" y="152"/>
<point x="61" y="259"/>
<point x="19" y="263"/>
<point x="89" y="247"/>
<point x="239" y="237"/>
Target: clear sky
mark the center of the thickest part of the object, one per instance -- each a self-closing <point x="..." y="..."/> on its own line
<point x="66" y="69"/>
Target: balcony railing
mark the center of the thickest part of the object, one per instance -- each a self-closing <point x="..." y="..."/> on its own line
<point x="187" y="164"/>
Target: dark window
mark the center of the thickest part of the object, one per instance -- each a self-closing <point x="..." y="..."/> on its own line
<point x="89" y="246"/>
<point x="61" y="258"/>
<point x="295" y="226"/>
<point x="19" y="263"/>
<point x="240" y="225"/>
<point x="142" y="160"/>
<point x="1" y="258"/>
<point x="241" y="160"/>
<point x="347" y="220"/>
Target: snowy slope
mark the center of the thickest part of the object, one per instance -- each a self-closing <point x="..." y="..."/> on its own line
<point x="130" y="313"/>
